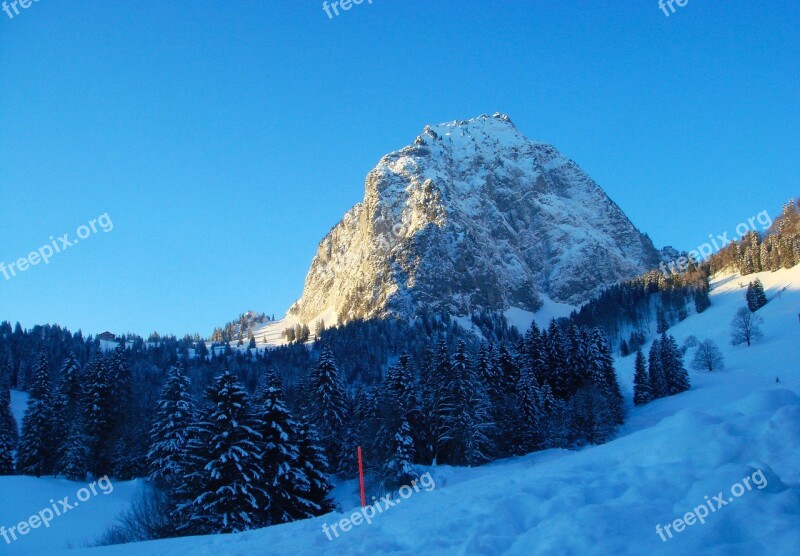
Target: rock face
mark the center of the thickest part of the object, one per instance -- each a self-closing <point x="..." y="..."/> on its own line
<point x="472" y="216"/>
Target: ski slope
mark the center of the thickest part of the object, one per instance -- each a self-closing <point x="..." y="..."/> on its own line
<point x="606" y="499"/>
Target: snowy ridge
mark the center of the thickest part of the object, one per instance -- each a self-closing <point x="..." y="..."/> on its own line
<point x="472" y="216"/>
<point x="607" y="499"/>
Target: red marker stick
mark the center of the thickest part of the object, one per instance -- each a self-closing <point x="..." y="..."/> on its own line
<point x="361" y="478"/>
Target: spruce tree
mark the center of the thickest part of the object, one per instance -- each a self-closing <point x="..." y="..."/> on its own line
<point x="288" y="488"/>
<point x="399" y="470"/>
<point x="73" y="462"/>
<point x="328" y="409"/>
<point x="529" y="413"/>
<point x="557" y="374"/>
<point x="453" y="401"/>
<point x="314" y="466"/>
<point x="661" y="321"/>
<point x="428" y="425"/>
<point x="99" y="408"/>
<point x="478" y="422"/>
<point x="675" y="374"/>
<point x="224" y="486"/>
<point x="642" y="392"/>
<point x="7" y="420"/>
<point x="756" y="298"/>
<point x="8" y="429"/>
<point x="35" y="454"/>
<point x="175" y="414"/>
<point x="605" y="377"/>
<point x="658" y="385"/>
<point x="502" y="395"/>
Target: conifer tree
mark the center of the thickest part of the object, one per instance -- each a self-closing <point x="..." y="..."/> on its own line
<point x="675" y="374"/>
<point x="642" y="392"/>
<point x="556" y="356"/>
<point x="756" y="298"/>
<point x="605" y="377"/>
<point x="328" y="409"/>
<point x="223" y="488"/>
<point x="701" y="299"/>
<point x="314" y="466"/>
<point x="453" y="400"/>
<point x="529" y="413"/>
<point x="169" y="434"/>
<point x="8" y="429"/>
<point x="71" y="386"/>
<point x="7" y="420"/>
<point x="287" y="486"/>
<point x="73" y="462"/>
<point x="35" y="453"/>
<point x="478" y="422"/>
<point x="661" y="321"/>
<point x="428" y="426"/>
<point x="99" y="408"/>
<point x="658" y="384"/>
<point x="399" y="470"/>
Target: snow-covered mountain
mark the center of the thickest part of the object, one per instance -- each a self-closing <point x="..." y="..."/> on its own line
<point x="472" y="216"/>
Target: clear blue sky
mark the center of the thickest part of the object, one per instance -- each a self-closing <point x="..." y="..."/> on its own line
<point x="224" y="139"/>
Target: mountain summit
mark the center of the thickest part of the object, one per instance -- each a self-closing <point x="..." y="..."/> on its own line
<point x="472" y="216"/>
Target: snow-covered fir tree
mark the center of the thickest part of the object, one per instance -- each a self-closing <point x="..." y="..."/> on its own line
<point x="399" y="470"/>
<point x="169" y="434"/>
<point x="287" y="487"/>
<point x="642" y="392"/>
<point x="8" y="432"/>
<point x="756" y="298"/>
<point x="99" y="406"/>
<point x="675" y="374"/>
<point x="328" y="409"/>
<point x="35" y="452"/>
<point x="529" y="413"/>
<point x="658" y="381"/>
<point x="315" y="467"/>
<point x="224" y="484"/>
<point x="73" y="462"/>
<point x="602" y="368"/>
<point x="452" y="405"/>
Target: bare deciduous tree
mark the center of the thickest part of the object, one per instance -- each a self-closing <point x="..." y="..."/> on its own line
<point x="708" y="357"/>
<point x="744" y="327"/>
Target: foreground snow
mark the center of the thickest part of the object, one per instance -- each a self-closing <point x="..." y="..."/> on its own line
<point x="78" y="527"/>
<point x="607" y="499"/>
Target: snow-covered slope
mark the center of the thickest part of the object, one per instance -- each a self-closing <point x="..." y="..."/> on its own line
<point x="670" y="456"/>
<point x="472" y="216"/>
<point x="22" y="497"/>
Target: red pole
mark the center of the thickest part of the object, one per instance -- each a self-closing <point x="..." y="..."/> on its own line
<point x="361" y="478"/>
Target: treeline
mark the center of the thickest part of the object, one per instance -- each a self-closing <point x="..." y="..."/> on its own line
<point x="755" y="252"/>
<point x="237" y="330"/>
<point x="651" y="300"/>
<point x="554" y="388"/>
<point x="627" y="312"/>
<point x="236" y="450"/>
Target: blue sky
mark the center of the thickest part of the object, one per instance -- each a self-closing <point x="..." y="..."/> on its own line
<point x="224" y="139"/>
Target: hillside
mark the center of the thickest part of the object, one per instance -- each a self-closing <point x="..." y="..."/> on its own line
<point x="669" y="456"/>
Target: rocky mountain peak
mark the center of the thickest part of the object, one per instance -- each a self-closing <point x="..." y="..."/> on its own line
<point x="472" y="216"/>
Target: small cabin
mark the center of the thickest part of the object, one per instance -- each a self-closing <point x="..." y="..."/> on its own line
<point x="108" y="336"/>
